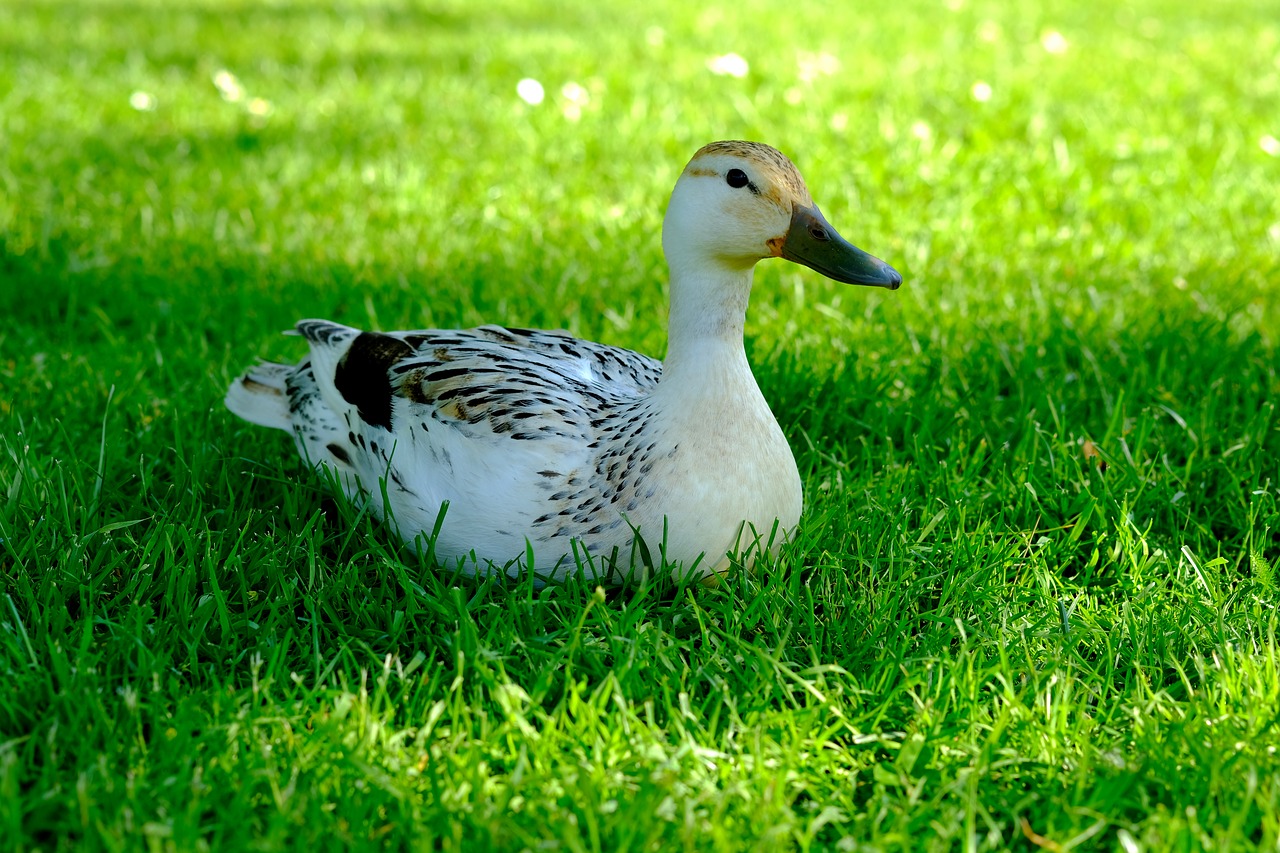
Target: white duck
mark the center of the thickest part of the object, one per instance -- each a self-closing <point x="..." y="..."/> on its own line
<point x="586" y="456"/>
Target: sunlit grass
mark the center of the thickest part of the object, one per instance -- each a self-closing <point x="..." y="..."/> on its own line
<point x="1033" y="599"/>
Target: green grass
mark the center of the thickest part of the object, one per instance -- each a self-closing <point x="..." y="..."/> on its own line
<point x="983" y="638"/>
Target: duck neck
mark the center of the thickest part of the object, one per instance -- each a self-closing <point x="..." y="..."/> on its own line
<point x="704" y="327"/>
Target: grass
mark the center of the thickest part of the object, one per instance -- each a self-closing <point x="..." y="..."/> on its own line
<point x="1033" y="602"/>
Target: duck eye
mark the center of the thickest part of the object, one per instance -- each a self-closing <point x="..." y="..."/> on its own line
<point x="736" y="178"/>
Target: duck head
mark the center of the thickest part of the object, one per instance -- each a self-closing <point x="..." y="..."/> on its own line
<point x="737" y="203"/>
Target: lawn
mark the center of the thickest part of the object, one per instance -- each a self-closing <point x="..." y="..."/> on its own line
<point x="1033" y="600"/>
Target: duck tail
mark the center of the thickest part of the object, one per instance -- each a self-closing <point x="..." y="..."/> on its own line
<point x="261" y="397"/>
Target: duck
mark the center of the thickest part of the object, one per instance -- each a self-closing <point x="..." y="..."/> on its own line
<point x="511" y="452"/>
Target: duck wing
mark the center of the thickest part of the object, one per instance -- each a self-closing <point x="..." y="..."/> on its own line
<point x="504" y="381"/>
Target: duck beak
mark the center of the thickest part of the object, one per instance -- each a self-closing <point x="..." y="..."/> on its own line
<point x="813" y="242"/>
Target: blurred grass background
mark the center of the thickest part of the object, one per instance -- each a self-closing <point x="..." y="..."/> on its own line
<point x="982" y="639"/>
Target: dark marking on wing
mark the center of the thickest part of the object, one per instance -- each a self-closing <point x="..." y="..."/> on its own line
<point x="339" y="452"/>
<point x="258" y="387"/>
<point x="362" y="376"/>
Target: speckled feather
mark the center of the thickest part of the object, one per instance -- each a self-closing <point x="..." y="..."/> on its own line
<point x="579" y="406"/>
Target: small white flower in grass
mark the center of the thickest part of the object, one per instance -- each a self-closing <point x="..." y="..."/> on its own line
<point x="981" y="91"/>
<point x="921" y="130"/>
<point x="729" y="65"/>
<point x="575" y="93"/>
<point x="143" y="102"/>
<point x="577" y="97"/>
<point x="839" y="122"/>
<point x="1054" y="42"/>
<point x="228" y="85"/>
<point x="259" y="107"/>
<point x="1274" y="232"/>
<point x="531" y="91"/>
<point x="815" y="65"/>
<point x="1269" y="144"/>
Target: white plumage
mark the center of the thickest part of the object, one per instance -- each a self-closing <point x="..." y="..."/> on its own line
<point x="591" y="456"/>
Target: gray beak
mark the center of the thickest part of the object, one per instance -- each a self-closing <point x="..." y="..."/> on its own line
<point x="813" y="242"/>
